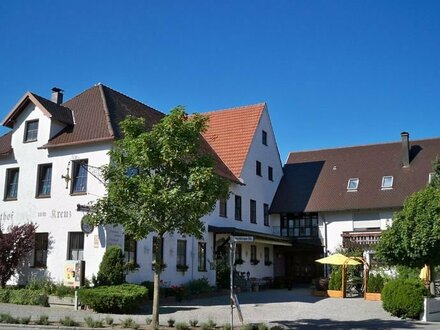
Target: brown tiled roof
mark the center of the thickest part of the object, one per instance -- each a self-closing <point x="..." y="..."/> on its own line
<point x="316" y="181"/>
<point x="97" y="113"/>
<point x="50" y="108"/>
<point x="5" y="144"/>
<point x="230" y="133"/>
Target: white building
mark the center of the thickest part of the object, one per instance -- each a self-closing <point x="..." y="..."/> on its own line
<point x="50" y="161"/>
<point x="346" y="197"/>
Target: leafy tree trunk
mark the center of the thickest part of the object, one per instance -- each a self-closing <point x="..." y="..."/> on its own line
<point x="158" y="267"/>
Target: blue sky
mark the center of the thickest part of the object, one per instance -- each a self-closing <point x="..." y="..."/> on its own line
<point x="334" y="73"/>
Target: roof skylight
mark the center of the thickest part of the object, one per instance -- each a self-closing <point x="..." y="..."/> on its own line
<point x="387" y="182"/>
<point x="353" y="184"/>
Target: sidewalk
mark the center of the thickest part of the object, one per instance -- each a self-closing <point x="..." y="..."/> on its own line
<point x="295" y="309"/>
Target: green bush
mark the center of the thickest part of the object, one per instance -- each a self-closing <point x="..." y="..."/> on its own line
<point x="91" y="323"/>
<point x="182" y="326"/>
<point x="67" y="321"/>
<point x="335" y="282"/>
<point x="375" y="283"/>
<point x="7" y="318"/>
<point x="4" y="295"/>
<point x="197" y="286"/>
<point x="129" y="323"/>
<point x="42" y="320"/>
<point x="28" y="297"/>
<point x="111" y="268"/>
<point x="113" y="299"/>
<point x="403" y="297"/>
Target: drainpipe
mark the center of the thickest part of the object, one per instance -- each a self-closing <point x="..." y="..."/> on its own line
<point x="325" y="243"/>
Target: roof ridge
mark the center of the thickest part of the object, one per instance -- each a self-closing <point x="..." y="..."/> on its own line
<point x="235" y="108"/>
<point x="129" y="97"/>
<point x="107" y="114"/>
<point x="360" y="146"/>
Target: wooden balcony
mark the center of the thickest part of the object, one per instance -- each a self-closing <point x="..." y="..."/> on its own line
<point x="360" y="238"/>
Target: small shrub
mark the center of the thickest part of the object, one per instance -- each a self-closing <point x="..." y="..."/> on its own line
<point x="375" y="283"/>
<point x="113" y="299"/>
<point x="210" y="325"/>
<point x="4" y="295"/>
<point x="227" y="326"/>
<point x="28" y="297"/>
<point x="193" y="322"/>
<point x="109" y="320"/>
<point x="111" y="268"/>
<point x="91" y="323"/>
<point x="129" y="323"/>
<point x="7" y="318"/>
<point x="182" y="326"/>
<point x="148" y="320"/>
<point x="42" y="320"/>
<point x="171" y="322"/>
<point x="262" y="326"/>
<point x="41" y="284"/>
<point x="277" y="327"/>
<point x="335" y="282"/>
<point x="198" y="286"/>
<point x="67" y="321"/>
<point x="248" y="327"/>
<point x="60" y="290"/>
<point x="403" y="297"/>
<point x="24" y="320"/>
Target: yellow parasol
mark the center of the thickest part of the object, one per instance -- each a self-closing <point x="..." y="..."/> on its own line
<point x="339" y="259"/>
<point x="425" y="274"/>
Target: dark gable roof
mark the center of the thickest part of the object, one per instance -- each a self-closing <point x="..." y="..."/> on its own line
<point x="51" y="109"/>
<point x="316" y="181"/>
<point x="5" y="144"/>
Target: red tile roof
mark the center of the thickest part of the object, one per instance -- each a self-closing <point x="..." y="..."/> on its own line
<point x="230" y="133"/>
<point x="5" y="144"/>
<point x="316" y="181"/>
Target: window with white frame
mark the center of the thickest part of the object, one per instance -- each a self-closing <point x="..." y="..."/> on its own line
<point x="44" y="180"/>
<point x="130" y="249"/>
<point x="181" y="253"/>
<point x="11" y="188"/>
<point x="75" y="243"/>
<point x="387" y="182"/>
<point x="202" y="257"/>
<point x="31" y="131"/>
<point x="40" y="249"/>
<point x="79" y="176"/>
<point x="353" y="184"/>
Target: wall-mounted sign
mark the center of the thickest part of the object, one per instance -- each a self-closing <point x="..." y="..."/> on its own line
<point x="86" y="227"/>
<point x="74" y="273"/>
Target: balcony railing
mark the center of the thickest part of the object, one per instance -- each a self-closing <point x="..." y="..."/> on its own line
<point x="306" y="232"/>
<point x="360" y="238"/>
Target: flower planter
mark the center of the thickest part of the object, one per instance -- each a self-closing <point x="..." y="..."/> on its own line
<point x="61" y="302"/>
<point x="319" y="293"/>
<point x="334" y="293"/>
<point x="373" y="296"/>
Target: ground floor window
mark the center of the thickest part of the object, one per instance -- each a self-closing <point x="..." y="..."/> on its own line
<point x="75" y="243"/>
<point x="202" y="257"/>
<point x="181" y="254"/>
<point x="267" y="261"/>
<point x="40" y="249"/>
<point x="300" y="225"/>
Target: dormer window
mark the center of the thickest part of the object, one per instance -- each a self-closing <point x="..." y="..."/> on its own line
<point x="31" y="131"/>
<point x="387" y="182"/>
<point x="264" y="138"/>
<point x="431" y="177"/>
<point x="353" y="184"/>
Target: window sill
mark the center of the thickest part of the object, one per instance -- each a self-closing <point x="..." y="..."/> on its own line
<point x="223" y="216"/>
<point x="202" y="270"/>
<point x="254" y="223"/>
<point x="38" y="267"/>
<point x="42" y="196"/>
<point x="10" y="199"/>
<point x="78" y="193"/>
<point x="29" y="141"/>
<point x="238" y="219"/>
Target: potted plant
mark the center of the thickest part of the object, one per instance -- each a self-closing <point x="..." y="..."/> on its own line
<point x="335" y="284"/>
<point x="238" y="261"/>
<point x="268" y="263"/>
<point x="254" y="261"/>
<point x="375" y="285"/>
<point x="320" y="287"/>
<point x="182" y="268"/>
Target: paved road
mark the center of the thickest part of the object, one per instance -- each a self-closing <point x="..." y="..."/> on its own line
<point x="294" y="309"/>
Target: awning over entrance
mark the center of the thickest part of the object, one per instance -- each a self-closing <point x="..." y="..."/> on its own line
<point x="259" y="237"/>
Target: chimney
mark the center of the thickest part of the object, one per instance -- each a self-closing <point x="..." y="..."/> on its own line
<point x="405" y="149"/>
<point x="57" y="95"/>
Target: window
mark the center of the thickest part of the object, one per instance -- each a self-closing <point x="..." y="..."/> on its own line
<point x="253" y="211"/>
<point x="387" y="182"/>
<point x="75" y="246"/>
<point x="11" y="188"/>
<point x="267" y="261"/>
<point x="431" y="177"/>
<point x="258" y="168"/>
<point x="266" y="214"/>
<point x="79" y="176"/>
<point x="300" y="225"/>
<point x="31" y="131"/>
<point x="353" y="184"/>
<point x="40" y="249"/>
<point x="44" y="180"/>
<point x="238" y="255"/>
<point x="253" y="252"/>
<point x="181" y="253"/>
<point x="223" y="208"/>
<point x="238" y="208"/>
<point x="270" y="173"/>
<point x="130" y="249"/>
<point x="264" y="137"/>
<point x="154" y="249"/>
<point x="202" y="257"/>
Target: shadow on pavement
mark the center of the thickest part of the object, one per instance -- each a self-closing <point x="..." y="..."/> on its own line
<point x="376" y="324"/>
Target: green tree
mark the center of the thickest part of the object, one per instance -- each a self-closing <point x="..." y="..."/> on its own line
<point x="435" y="181"/>
<point x="414" y="238"/>
<point x="160" y="181"/>
<point x="111" y="268"/>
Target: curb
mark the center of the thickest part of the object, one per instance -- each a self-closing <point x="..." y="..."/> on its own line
<point x="42" y="327"/>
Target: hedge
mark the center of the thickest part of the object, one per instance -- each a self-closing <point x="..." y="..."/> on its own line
<point x="403" y="297"/>
<point x="24" y="297"/>
<point x="335" y="282"/>
<point x="123" y="298"/>
<point x="375" y="283"/>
